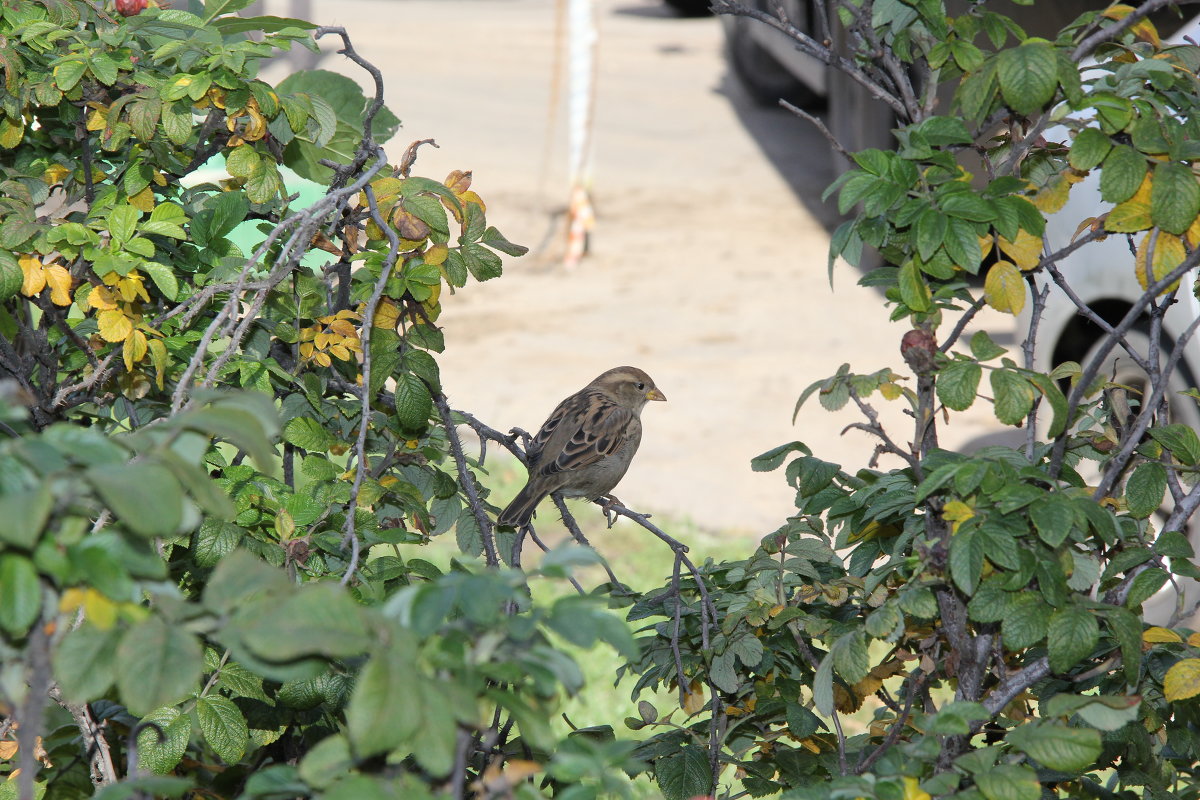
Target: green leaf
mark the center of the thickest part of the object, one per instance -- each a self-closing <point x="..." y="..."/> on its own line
<point x="1174" y="197"/>
<point x="158" y="665"/>
<point x="1053" y="518"/>
<point x="1056" y="746"/>
<point x="1028" y="76"/>
<point x="163" y="277"/>
<point x="177" y="121"/>
<point x="264" y="183"/>
<point x="318" y="619"/>
<point x="144" y="495"/>
<point x="990" y="602"/>
<point x="822" y="687"/>
<point x="25" y="514"/>
<point x="1009" y="782"/>
<point x="914" y="292"/>
<point x="85" y="662"/>
<point x="308" y="434"/>
<point x="495" y="240"/>
<point x="1013" y="396"/>
<point x="684" y="775"/>
<point x="1026" y="623"/>
<point x="20" y="594"/>
<point x="224" y="727"/>
<point x="240" y="162"/>
<point x="1090" y="147"/>
<point x="1126" y="628"/>
<point x="983" y="348"/>
<point x="957" y="384"/>
<point x="966" y="560"/>
<point x="850" y="657"/>
<point x="385" y="710"/>
<point x="1145" y="489"/>
<point x="214" y="540"/>
<point x="1144" y="586"/>
<point x="414" y="403"/>
<point x="1122" y="174"/>
<point x="161" y="745"/>
<point x="1072" y="637"/>
<point x="931" y="230"/>
<point x="215" y="8"/>
<point x="121" y="222"/>
<point x="239" y="578"/>
<point x="1181" y="440"/>
<point x="68" y="73"/>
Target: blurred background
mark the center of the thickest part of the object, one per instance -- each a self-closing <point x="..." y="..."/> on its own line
<point x="707" y="261"/>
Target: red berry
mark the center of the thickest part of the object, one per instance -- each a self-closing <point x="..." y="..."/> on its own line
<point x="130" y="8"/>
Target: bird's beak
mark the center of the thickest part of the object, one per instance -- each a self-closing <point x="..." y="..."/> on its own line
<point x="655" y="394"/>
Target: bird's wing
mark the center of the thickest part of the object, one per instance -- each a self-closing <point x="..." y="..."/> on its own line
<point x="582" y="430"/>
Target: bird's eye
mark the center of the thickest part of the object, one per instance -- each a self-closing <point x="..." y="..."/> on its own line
<point x="640" y="386"/>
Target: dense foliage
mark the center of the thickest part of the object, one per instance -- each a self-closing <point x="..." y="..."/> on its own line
<point x="223" y="415"/>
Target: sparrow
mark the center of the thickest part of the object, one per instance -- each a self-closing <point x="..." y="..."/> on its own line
<point x="584" y="448"/>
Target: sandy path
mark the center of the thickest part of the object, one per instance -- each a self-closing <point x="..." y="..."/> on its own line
<point x="708" y="265"/>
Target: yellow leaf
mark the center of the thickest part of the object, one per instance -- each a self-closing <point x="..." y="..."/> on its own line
<point x="71" y="600"/>
<point x="1004" y="289"/>
<point x="97" y="119"/>
<point x="437" y="254"/>
<point x="132" y="287"/>
<point x="158" y="357"/>
<point x="693" y="698"/>
<point x="344" y="327"/>
<point x="1143" y="29"/>
<point x="1194" y="640"/>
<point x="60" y="284"/>
<point x="1025" y="252"/>
<point x="1182" y="680"/>
<point x="101" y="611"/>
<point x="471" y="197"/>
<point x="143" y="200"/>
<point x="890" y="391"/>
<point x="985" y="244"/>
<point x="55" y="174"/>
<point x="1157" y="634"/>
<point x="35" y="275"/>
<point x="322" y="359"/>
<point x="136" y="347"/>
<point x="340" y="352"/>
<point x="1134" y="214"/>
<point x="306" y="349"/>
<point x="387" y="315"/>
<point x="458" y="181"/>
<point x="913" y="790"/>
<point x="8" y="750"/>
<point x="12" y="131"/>
<point x="957" y="512"/>
<point x="114" y="325"/>
<point x="1169" y="253"/>
<point x="101" y="297"/>
<point x="1053" y="196"/>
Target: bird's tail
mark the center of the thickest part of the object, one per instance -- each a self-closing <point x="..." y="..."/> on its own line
<point x="520" y="510"/>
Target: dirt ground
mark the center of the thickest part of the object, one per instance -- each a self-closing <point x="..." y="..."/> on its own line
<point x="708" y="258"/>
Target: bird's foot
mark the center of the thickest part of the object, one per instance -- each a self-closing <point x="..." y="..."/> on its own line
<point x="607" y="503"/>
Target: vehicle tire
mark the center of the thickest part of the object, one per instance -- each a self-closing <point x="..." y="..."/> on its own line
<point x="760" y="73"/>
<point x="1121" y="369"/>
<point x="691" y="8"/>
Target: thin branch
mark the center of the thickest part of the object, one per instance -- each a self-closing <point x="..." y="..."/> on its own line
<point x="95" y="745"/>
<point x="466" y="481"/>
